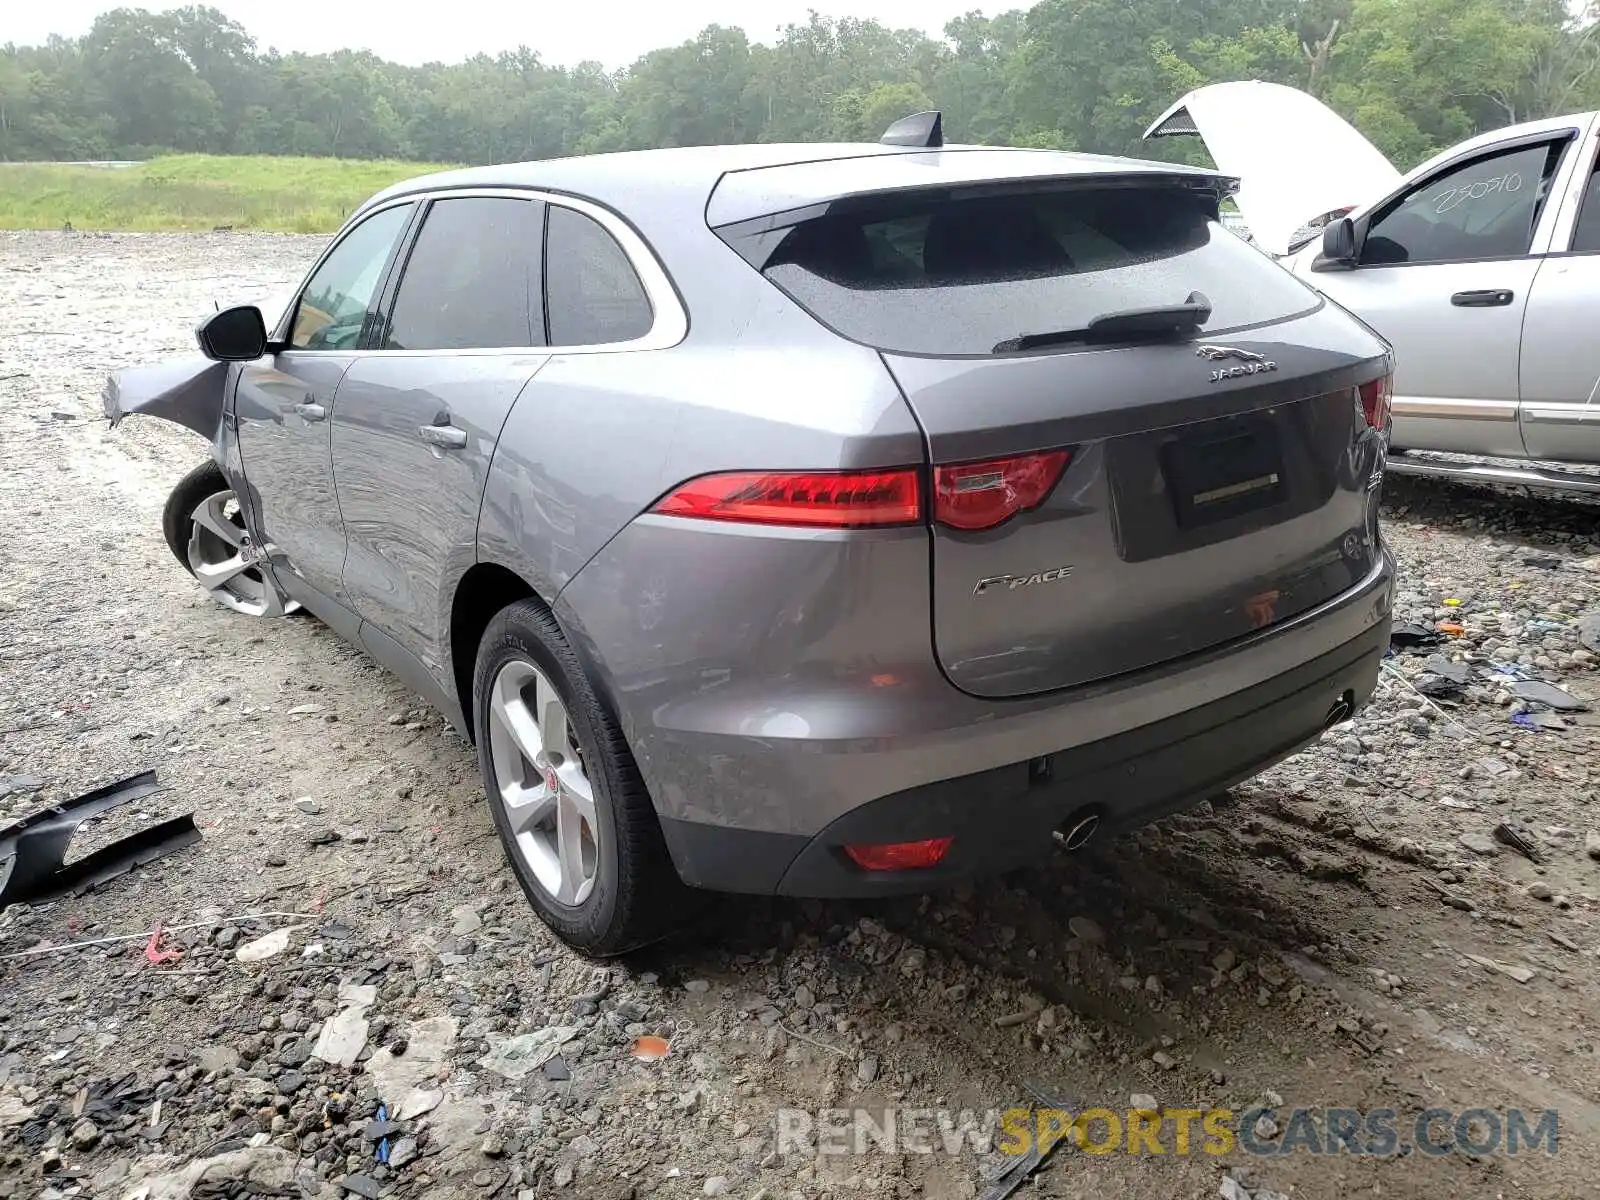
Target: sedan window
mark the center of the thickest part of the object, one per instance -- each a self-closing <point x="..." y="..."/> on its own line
<point x="332" y="310"/>
<point x="472" y="279"/>
<point x="592" y="292"/>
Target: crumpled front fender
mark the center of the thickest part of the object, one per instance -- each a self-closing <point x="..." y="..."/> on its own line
<point x="188" y="393"/>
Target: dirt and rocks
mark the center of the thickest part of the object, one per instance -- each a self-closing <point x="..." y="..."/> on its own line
<point x="1349" y="930"/>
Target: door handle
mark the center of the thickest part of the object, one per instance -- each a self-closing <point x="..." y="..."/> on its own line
<point x="443" y="437"/>
<point x="1482" y="298"/>
<point x="311" y="410"/>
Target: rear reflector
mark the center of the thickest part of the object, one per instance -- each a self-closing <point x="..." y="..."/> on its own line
<point x="823" y="499"/>
<point x="900" y="856"/>
<point x="1375" y="397"/>
<point x="981" y="495"/>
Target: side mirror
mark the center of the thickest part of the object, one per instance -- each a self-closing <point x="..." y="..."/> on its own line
<point x="1339" y="241"/>
<point x="233" y="335"/>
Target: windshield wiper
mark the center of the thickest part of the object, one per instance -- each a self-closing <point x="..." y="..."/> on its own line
<point x="1166" y="321"/>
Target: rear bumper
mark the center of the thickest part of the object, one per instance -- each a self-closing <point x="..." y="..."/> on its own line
<point x="768" y="722"/>
<point x="1003" y="816"/>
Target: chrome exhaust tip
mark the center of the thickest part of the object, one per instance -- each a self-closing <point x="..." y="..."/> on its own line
<point x="1076" y="831"/>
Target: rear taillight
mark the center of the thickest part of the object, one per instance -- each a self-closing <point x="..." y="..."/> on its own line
<point x="822" y="499"/>
<point x="981" y="495"/>
<point x="1375" y="398"/>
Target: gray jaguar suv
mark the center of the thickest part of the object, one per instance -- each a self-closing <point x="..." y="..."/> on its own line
<point x="819" y="520"/>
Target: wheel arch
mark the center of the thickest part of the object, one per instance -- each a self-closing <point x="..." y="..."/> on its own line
<point x="483" y="590"/>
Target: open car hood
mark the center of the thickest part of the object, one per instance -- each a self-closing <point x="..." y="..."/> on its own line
<point x="1295" y="158"/>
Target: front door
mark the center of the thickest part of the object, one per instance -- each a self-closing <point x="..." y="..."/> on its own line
<point x="1445" y="273"/>
<point x="284" y="402"/>
<point x="418" y="417"/>
<point x="1560" y="409"/>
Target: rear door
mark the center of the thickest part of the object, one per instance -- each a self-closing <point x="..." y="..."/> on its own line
<point x="1560" y="365"/>
<point x="1102" y="503"/>
<point x="284" y="402"/>
<point x="1445" y="273"/>
<point x="418" y="414"/>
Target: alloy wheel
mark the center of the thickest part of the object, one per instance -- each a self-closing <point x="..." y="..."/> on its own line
<point x="218" y="558"/>
<point x="541" y="784"/>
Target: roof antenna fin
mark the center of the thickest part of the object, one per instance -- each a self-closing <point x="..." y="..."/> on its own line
<point x="923" y="130"/>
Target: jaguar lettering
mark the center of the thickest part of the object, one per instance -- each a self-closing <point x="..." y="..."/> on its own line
<point x="1253" y="363"/>
<point x="1257" y="368"/>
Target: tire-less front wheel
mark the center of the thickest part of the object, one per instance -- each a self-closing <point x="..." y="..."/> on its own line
<point x="573" y="815"/>
<point x="204" y="528"/>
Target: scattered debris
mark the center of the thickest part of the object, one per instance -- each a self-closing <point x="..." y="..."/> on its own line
<point x="1547" y="693"/>
<point x="1510" y="970"/>
<point x="344" y="1035"/>
<point x="1022" y="1167"/>
<point x="33" y="851"/>
<point x="514" y="1057"/>
<point x="153" y="952"/>
<point x="1508" y="836"/>
<point x="1588" y="625"/>
<point x="1548" y="722"/>
<point x="1453" y="899"/>
<point x="650" y="1048"/>
<point x="1409" y="636"/>
<point x="266" y="946"/>
<point x="1086" y="930"/>
<point x="259" y="1170"/>
<point x="19" y="785"/>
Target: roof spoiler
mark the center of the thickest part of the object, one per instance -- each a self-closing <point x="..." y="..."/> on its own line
<point x="924" y="130"/>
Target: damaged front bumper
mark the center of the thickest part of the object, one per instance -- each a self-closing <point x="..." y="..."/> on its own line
<point x="188" y="393"/>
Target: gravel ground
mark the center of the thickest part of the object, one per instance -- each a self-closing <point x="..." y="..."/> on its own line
<point x="1344" y="931"/>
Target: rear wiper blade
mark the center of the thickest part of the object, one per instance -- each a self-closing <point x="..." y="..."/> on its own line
<point x="1173" y="320"/>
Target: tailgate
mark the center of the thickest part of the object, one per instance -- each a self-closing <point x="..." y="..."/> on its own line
<point x="1145" y="437"/>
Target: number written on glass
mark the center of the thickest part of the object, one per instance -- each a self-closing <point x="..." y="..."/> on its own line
<point x="1451" y="197"/>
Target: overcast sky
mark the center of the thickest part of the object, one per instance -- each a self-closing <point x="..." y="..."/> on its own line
<point x="613" y="32"/>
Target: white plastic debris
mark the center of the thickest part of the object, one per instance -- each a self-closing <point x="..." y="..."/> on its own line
<point x="266" y="945"/>
<point x="514" y="1057"/>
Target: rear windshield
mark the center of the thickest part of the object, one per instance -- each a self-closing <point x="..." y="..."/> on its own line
<point x="957" y="276"/>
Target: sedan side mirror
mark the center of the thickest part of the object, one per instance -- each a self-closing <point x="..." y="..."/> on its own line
<point x="233" y="335"/>
<point x="1339" y="241"/>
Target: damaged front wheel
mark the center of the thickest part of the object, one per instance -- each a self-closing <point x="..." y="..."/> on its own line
<point x="205" y="530"/>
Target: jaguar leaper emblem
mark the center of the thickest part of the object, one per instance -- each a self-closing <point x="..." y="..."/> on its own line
<point x="1251" y="362"/>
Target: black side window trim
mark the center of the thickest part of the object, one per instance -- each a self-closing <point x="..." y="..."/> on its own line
<point x="1561" y="137"/>
<point x="544" y="270"/>
<point x="1583" y="205"/>
<point x="377" y="327"/>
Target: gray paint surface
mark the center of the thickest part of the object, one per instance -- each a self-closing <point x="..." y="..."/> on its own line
<point x="773" y="678"/>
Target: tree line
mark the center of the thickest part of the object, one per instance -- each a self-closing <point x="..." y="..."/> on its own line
<point x="1414" y="75"/>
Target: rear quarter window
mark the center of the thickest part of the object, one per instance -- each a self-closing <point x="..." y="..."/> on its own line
<point x="952" y="275"/>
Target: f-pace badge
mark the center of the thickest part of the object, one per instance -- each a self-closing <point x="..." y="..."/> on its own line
<point x="1253" y="363"/>
<point x="1012" y="582"/>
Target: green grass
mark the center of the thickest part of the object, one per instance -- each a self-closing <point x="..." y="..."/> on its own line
<point x="196" y="191"/>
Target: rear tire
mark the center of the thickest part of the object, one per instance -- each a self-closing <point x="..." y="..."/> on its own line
<point x="573" y="815"/>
